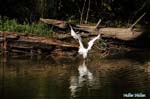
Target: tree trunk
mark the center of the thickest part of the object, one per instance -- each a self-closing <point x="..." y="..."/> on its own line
<point x="87" y="14"/>
<point x="82" y="13"/>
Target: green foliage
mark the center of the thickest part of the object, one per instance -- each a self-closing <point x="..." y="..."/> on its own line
<point x="34" y="28"/>
<point x="103" y="44"/>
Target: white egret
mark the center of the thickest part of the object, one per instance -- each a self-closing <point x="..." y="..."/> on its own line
<point x="82" y="50"/>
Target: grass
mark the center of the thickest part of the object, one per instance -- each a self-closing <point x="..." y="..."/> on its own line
<point x="34" y="28"/>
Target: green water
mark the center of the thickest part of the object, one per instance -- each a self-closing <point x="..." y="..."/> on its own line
<point x="39" y="77"/>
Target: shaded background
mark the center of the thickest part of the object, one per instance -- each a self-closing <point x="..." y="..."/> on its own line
<point x="108" y="10"/>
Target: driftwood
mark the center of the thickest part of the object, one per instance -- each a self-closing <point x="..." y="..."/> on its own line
<point x="125" y="34"/>
<point x="23" y="42"/>
<point x="58" y="23"/>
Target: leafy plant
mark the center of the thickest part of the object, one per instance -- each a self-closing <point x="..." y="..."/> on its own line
<point x="34" y="28"/>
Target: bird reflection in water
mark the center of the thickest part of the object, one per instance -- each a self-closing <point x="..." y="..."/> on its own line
<point x="84" y="78"/>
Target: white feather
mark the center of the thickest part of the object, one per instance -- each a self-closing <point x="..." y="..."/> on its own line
<point x="74" y="35"/>
<point x="91" y="42"/>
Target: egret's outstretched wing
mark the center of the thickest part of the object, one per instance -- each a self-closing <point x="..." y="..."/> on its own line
<point x="91" y="42"/>
<point x="73" y="34"/>
<point x="80" y="43"/>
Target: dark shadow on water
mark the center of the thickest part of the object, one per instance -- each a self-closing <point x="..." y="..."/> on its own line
<point x="137" y="56"/>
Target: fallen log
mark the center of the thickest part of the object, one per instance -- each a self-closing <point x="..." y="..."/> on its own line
<point x="36" y="39"/>
<point x="32" y="42"/>
<point x="58" y="23"/>
<point x="125" y="34"/>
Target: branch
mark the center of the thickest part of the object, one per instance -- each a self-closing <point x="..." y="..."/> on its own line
<point x="143" y="5"/>
<point x="82" y="12"/>
<point x="137" y="21"/>
<point x="98" y="23"/>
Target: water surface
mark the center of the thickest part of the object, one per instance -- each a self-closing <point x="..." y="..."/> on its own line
<point x="38" y="77"/>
